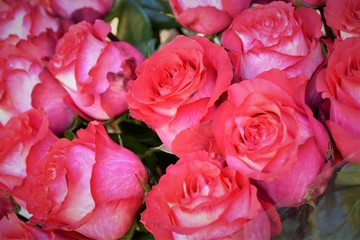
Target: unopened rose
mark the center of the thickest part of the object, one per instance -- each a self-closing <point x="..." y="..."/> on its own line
<point x="23" y="137"/>
<point x="177" y="87"/>
<point x="94" y="71"/>
<point x="196" y="15"/>
<point x="90" y="185"/>
<point x="268" y="133"/>
<point x="81" y="9"/>
<point x="198" y="199"/>
<point x="343" y="17"/>
<point x="274" y="35"/>
<point x="340" y="83"/>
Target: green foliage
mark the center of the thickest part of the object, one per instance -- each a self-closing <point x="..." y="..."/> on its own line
<point x="134" y="25"/>
<point x="139" y="22"/>
<point x="76" y="124"/>
<point x="349" y="175"/>
<point x="159" y="13"/>
<point x="336" y="214"/>
<point x="144" y="142"/>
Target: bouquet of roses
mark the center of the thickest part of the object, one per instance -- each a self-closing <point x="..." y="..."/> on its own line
<point x="228" y="119"/>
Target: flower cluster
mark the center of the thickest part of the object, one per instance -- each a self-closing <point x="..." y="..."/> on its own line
<point x="256" y="100"/>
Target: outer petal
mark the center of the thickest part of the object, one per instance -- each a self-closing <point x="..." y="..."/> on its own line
<point x="347" y="141"/>
<point x="111" y="159"/>
<point x="50" y="95"/>
<point x="119" y="216"/>
<point x="25" y="135"/>
<point x="197" y="19"/>
<point x="290" y="188"/>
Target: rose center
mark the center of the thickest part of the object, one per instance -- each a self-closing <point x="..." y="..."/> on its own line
<point x="256" y="132"/>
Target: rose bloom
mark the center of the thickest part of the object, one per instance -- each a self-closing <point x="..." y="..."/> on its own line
<point x="24" y="19"/>
<point x="23" y="137"/>
<point x="94" y="71"/>
<point x="198" y="199"/>
<point x="21" y="72"/>
<point x="343" y="17"/>
<point x="195" y="15"/>
<point x="81" y="9"/>
<point x="274" y="36"/>
<point x="177" y="87"/>
<point x="89" y="185"/>
<point x="268" y="133"/>
<point x="340" y="83"/>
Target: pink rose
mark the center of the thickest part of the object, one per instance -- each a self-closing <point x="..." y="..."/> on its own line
<point x="342" y="17"/>
<point x="81" y="9"/>
<point x="274" y="36"/>
<point x="196" y="15"/>
<point x="268" y="133"/>
<point x="18" y="75"/>
<point x="198" y="199"/>
<point x="23" y="137"/>
<point x="94" y="71"/>
<point x="89" y="185"/>
<point x="177" y="87"/>
<point x="14" y="228"/>
<point x="24" y="19"/>
<point x="24" y="84"/>
<point x="340" y="83"/>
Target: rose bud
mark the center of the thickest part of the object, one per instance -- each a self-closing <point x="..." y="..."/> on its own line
<point x="90" y="185"/>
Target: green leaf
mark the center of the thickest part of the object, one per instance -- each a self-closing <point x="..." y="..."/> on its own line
<point x="349" y="175"/>
<point x="130" y="234"/>
<point x="337" y="215"/>
<point x="75" y="124"/>
<point x="159" y="13"/>
<point x="147" y="48"/>
<point x="69" y="135"/>
<point x="134" y="25"/>
<point x="163" y="148"/>
<point x="114" y="12"/>
<point x="142" y="233"/>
